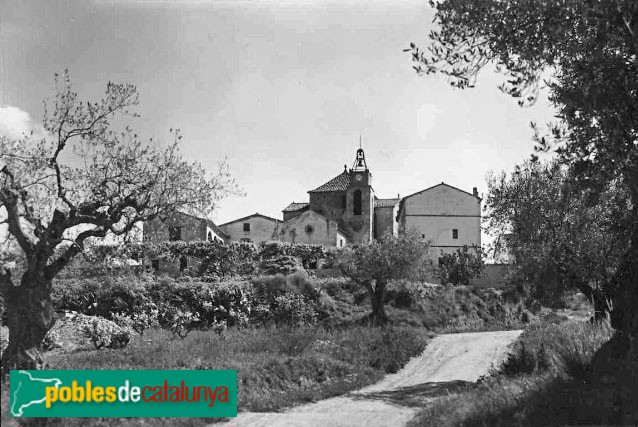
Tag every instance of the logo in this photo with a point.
(144, 393)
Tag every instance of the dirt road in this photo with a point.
(448, 362)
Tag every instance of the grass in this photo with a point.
(557, 374)
(276, 368)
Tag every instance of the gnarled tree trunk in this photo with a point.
(377, 293)
(30, 316)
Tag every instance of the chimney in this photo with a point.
(475, 191)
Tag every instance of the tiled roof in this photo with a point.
(338, 183)
(293, 207)
(386, 203)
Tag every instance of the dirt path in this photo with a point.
(448, 362)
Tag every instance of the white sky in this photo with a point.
(281, 89)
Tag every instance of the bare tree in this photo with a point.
(82, 181)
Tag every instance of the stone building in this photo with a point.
(180, 226)
(446, 216)
(347, 201)
(254, 228)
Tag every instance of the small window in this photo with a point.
(309, 229)
(423, 236)
(455, 233)
(356, 209)
(246, 226)
(340, 243)
(174, 233)
(343, 201)
(210, 236)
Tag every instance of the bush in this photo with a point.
(564, 348)
(294, 310)
(103, 332)
(283, 264)
(459, 267)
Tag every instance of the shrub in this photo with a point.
(294, 310)
(459, 267)
(557, 348)
(283, 264)
(103, 332)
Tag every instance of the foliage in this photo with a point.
(461, 266)
(454, 309)
(282, 264)
(375, 264)
(587, 54)
(103, 332)
(558, 348)
(309, 254)
(560, 236)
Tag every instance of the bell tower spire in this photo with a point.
(360, 159)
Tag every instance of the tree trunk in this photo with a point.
(624, 316)
(599, 299)
(377, 297)
(30, 316)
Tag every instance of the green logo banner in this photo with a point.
(53, 393)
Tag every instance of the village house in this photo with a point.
(180, 226)
(254, 228)
(448, 217)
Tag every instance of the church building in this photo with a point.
(342, 211)
(345, 210)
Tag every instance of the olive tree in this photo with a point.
(83, 181)
(373, 265)
(560, 236)
(586, 54)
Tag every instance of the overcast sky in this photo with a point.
(281, 89)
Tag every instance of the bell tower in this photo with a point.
(359, 215)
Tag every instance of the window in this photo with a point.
(343, 201)
(246, 226)
(357, 203)
(174, 233)
(455, 233)
(210, 236)
(340, 243)
(309, 229)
